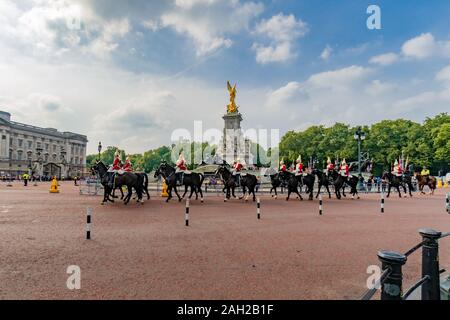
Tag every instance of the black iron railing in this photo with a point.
(391, 280)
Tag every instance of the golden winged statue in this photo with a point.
(232, 108)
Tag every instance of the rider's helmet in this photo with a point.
(281, 162)
(299, 159)
(117, 154)
(344, 163)
(396, 163)
(329, 160)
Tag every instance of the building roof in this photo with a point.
(46, 131)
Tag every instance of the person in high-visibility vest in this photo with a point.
(25, 178)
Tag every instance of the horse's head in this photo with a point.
(316, 172)
(164, 169)
(387, 176)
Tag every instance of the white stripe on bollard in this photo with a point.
(186, 216)
(88, 223)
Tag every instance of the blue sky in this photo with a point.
(130, 72)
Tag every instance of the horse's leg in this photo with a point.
(244, 189)
(299, 195)
(318, 191)
(201, 194)
(232, 191)
(185, 191)
(328, 190)
(176, 192)
(399, 192)
(389, 191)
(343, 190)
(289, 194)
(254, 195)
(128, 196)
(276, 193)
(169, 191)
(192, 192)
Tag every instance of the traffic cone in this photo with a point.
(54, 186)
(164, 193)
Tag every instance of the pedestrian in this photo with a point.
(25, 178)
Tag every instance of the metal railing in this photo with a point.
(391, 280)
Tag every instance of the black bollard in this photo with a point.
(320, 205)
(382, 202)
(186, 217)
(258, 209)
(88, 223)
(391, 288)
(430, 264)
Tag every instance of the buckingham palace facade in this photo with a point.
(43, 152)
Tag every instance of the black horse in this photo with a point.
(276, 182)
(338, 182)
(393, 181)
(307, 180)
(193, 180)
(323, 181)
(247, 181)
(128, 179)
(352, 182)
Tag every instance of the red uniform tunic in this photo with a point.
(346, 169)
(127, 167)
(181, 164)
(283, 168)
(116, 164)
(330, 167)
(238, 167)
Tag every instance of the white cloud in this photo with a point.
(377, 88)
(281, 30)
(53, 28)
(341, 78)
(385, 59)
(425, 46)
(209, 23)
(326, 53)
(444, 74)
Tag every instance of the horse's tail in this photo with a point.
(145, 180)
(202, 178)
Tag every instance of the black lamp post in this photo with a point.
(359, 136)
(99, 150)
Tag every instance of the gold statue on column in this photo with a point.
(232, 107)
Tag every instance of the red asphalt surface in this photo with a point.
(147, 252)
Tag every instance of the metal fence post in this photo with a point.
(430, 264)
(391, 288)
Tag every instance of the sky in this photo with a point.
(128, 73)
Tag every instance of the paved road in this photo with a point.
(146, 252)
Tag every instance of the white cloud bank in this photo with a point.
(281, 30)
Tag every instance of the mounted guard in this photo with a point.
(344, 169)
(128, 167)
(116, 168)
(299, 167)
(181, 169)
(397, 170)
(237, 168)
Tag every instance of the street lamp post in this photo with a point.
(359, 136)
(99, 150)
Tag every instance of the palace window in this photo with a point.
(30, 144)
(19, 155)
(20, 142)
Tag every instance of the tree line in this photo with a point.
(424, 144)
